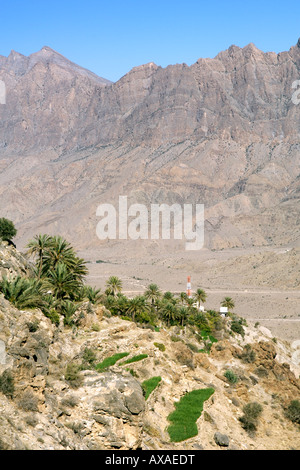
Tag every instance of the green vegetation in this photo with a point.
(249, 420)
(230, 376)
(114, 286)
(160, 346)
(293, 411)
(137, 358)
(237, 327)
(7, 230)
(247, 355)
(149, 385)
(57, 287)
(72, 375)
(7, 386)
(22, 292)
(110, 361)
(228, 302)
(187, 412)
(89, 358)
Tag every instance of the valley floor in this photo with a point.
(263, 282)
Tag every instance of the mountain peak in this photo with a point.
(47, 48)
(48, 55)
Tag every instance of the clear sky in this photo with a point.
(110, 37)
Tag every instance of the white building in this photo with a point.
(223, 311)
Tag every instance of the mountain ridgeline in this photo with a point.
(223, 132)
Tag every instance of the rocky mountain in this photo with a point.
(53, 397)
(223, 132)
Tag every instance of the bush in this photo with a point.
(160, 346)
(33, 326)
(230, 376)
(28, 401)
(250, 418)
(175, 338)
(247, 355)
(72, 375)
(7, 230)
(71, 401)
(192, 347)
(88, 357)
(293, 411)
(7, 384)
(237, 327)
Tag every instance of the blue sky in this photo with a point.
(110, 37)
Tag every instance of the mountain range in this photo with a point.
(223, 132)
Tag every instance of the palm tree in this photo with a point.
(169, 312)
(114, 285)
(152, 293)
(59, 251)
(200, 296)
(228, 302)
(137, 305)
(37, 247)
(91, 293)
(168, 296)
(183, 297)
(182, 314)
(78, 269)
(117, 305)
(68, 309)
(61, 281)
(23, 292)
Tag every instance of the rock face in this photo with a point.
(12, 263)
(51, 398)
(223, 132)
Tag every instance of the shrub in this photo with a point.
(53, 315)
(7, 384)
(237, 327)
(192, 347)
(293, 411)
(68, 309)
(230, 376)
(160, 346)
(28, 401)
(250, 418)
(188, 410)
(88, 357)
(72, 375)
(33, 326)
(247, 355)
(71, 401)
(175, 338)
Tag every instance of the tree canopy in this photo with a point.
(7, 230)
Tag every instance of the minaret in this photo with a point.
(189, 287)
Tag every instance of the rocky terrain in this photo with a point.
(223, 132)
(60, 400)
